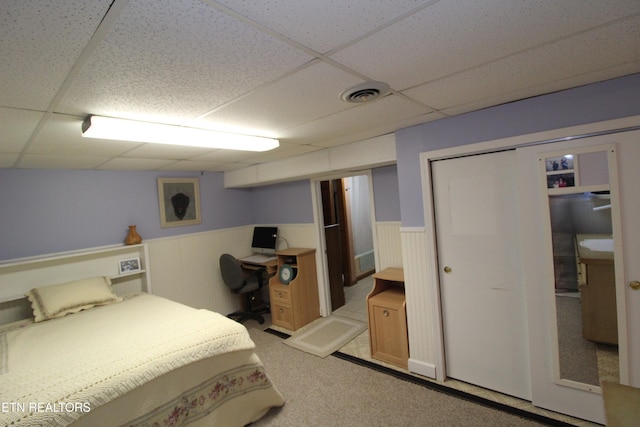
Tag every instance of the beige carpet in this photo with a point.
(329, 392)
(325, 335)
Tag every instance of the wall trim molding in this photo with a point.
(422, 368)
(413, 229)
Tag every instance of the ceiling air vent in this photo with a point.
(365, 92)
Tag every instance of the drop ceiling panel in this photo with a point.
(451, 37)
(304, 96)
(545, 88)
(17, 127)
(62, 134)
(365, 117)
(8, 160)
(580, 54)
(120, 163)
(270, 67)
(235, 156)
(285, 151)
(323, 25)
(167, 152)
(41, 161)
(175, 63)
(40, 41)
(195, 166)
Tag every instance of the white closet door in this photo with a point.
(481, 285)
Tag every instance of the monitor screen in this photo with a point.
(264, 240)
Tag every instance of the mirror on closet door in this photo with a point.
(584, 289)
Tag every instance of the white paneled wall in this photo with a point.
(388, 244)
(185, 268)
(421, 302)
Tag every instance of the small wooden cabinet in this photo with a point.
(388, 318)
(597, 292)
(295, 304)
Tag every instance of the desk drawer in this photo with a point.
(281, 315)
(278, 294)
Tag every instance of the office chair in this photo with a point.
(245, 283)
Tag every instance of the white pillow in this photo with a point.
(49, 302)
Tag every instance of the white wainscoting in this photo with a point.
(422, 303)
(185, 268)
(388, 245)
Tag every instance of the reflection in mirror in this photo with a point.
(585, 287)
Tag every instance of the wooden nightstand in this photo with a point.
(295, 303)
(387, 318)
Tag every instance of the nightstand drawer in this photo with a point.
(281, 315)
(280, 295)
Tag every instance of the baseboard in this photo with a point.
(425, 369)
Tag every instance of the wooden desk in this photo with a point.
(271, 266)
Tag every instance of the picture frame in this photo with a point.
(129, 265)
(179, 201)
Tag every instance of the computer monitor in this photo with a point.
(264, 240)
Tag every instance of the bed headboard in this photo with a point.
(127, 266)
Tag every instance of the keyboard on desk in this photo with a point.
(258, 259)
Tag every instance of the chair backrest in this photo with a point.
(231, 271)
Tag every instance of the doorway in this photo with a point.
(345, 214)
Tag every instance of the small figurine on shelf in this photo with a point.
(133, 238)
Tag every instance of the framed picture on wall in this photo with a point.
(179, 200)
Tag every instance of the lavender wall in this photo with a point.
(287, 203)
(597, 102)
(45, 211)
(385, 193)
(290, 203)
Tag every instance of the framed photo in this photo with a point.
(561, 180)
(128, 265)
(559, 164)
(179, 200)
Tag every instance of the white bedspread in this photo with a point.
(90, 358)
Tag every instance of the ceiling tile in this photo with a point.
(168, 152)
(120, 163)
(584, 53)
(364, 117)
(550, 87)
(169, 64)
(40, 161)
(322, 25)
(17, 127)
(277, 67)
(62, 134)
(195, 166)
(308, 94)
(235, 156)
(43, 40)
(8, 160)
(453, 36)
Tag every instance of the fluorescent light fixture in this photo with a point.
(131, 130)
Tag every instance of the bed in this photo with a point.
(89, 357)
